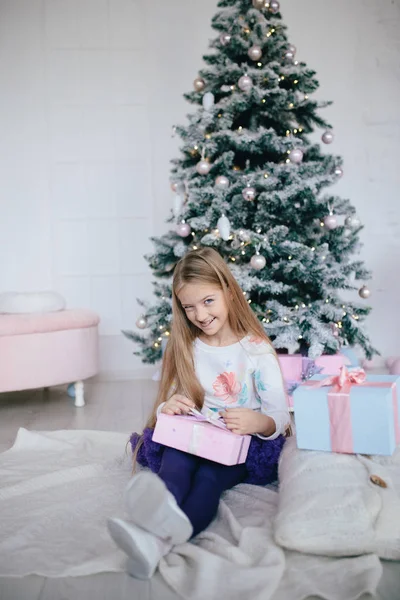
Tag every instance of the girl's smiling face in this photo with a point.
(205, 306)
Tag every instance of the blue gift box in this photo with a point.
(373, 411)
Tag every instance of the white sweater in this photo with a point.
(243, 375)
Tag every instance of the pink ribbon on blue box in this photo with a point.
(339, 405)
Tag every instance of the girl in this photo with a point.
(218, 358)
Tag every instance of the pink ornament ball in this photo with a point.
(183, 229)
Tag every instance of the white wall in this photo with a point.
(90, 90)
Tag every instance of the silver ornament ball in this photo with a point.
(364, 292)
(338, 172)
(141, 323)
(249, 193)
(296, 155)
(330, 222)
(174, 186)
(327, 137)
(289, 56)
(259, 4)
(222, 182)
(292, 49)
(245, 83)
(225, 39)
(183, 229)
(199, 84)
(274, 6)
(258, 262)
(203, 167)
(255, 53)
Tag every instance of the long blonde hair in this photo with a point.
(204, 266)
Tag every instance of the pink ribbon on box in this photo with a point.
(340, 408)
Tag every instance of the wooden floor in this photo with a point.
(110, 406)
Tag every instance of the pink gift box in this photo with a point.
(292, 367)
(202, 439)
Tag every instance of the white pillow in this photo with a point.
(12, 303)
(329, 506)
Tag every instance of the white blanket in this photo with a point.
(58, 488)
(329, 505)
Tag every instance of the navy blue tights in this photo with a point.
(198, 484)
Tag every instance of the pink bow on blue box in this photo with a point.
(350, 413)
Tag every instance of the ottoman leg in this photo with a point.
(79, 394)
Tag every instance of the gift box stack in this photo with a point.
(350, 413)
(297, 369)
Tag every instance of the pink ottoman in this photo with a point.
(41, 350)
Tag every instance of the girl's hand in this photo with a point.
(177, 405)
(245, 421)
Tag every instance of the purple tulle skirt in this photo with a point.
(261, 462)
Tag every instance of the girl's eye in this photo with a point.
(209, 300)
(188, 308)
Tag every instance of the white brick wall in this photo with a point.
(89, 92)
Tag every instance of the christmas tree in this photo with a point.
(250, 184)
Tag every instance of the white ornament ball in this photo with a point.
(208, 100)
(292, 49)
(258, 262)
(203, 167)
(224, 227)
(364, 292)
(330, 222)
(199, 84)
(141, 323)
(327, 137)
(338, 172)
(177, 205)
(225, 39)
(274, 6)
(222, 182)
(255, 53)
(296, 155)
(183, 229)
(245, 83)
(174, 186)
(249, 194)
(260, 4)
